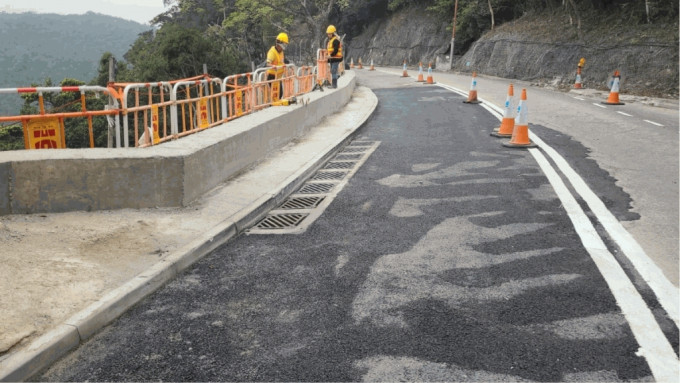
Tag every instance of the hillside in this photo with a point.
(37, 46)
(542, 47)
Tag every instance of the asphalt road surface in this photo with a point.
(435, 254)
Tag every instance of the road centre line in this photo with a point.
(624, 113)
(601, 106)
(653, 123)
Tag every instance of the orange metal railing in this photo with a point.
(153, 113)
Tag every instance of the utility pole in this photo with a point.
(453, 35)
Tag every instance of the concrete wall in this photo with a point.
(175, 173)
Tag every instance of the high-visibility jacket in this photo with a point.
(338, 54)
(274, 58)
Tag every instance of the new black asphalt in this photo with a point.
(446, 257)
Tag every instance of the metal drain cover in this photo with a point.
(355, 149)
(316, 188)
(301, 203)
(340, 165)
(349, 156)
(281, 221)
(329, 175)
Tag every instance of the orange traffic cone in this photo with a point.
(405, 72)
(472, 96)
(520, 134)
(577, 83)
(429, 74)
(372, 67)
(351, 63)
(613, 98)
(420, 73)
(508, 122)
(361, 66)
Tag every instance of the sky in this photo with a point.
(141, 11)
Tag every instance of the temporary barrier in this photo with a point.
(430, 80)
(149, 114)
(163, 111)
(508, 122)
(520, 134)
(198, 102)
(323, 68)
(613, 98)
(472, 96)
(47, 130)
(420, 73)
(405, 74)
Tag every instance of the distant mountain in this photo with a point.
(36, 46)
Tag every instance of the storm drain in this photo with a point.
(317, 193)
(301, 203)
(329, 175)
(281, 221)
(340, 165)
(316, 188)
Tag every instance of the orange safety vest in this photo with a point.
(330, 47)
(275, 58)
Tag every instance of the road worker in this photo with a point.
(334, 53)
(275, 58)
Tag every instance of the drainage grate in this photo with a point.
(301, 202)
(281, 221)
(340, 165)
(355, 149)
(316, 188)
(350, 156)
(329, 176)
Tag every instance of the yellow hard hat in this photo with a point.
(331, 29)
(282, 37)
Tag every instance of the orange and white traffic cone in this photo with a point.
(472, 96)
(405, 74)
(429, 74)
(613, 98)
(420, 73)
(372, 67)
(577, 83)
(360, 66)
(520, 134)
(508, 122)
(351, 63)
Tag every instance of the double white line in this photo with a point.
(654, 345)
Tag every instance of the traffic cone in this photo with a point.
(472, 96)
(360, 66)
(520, 134)
(429, 74)
(405, 72)
(372, 67)
(613, 98)
(577, 84)
(508, 122)
(351, 63)
(420, 73)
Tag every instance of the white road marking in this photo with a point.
(601, 106)
(654, 346)
(653, 123)
(625, 114)
(579, 98)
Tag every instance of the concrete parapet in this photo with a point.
(171, 174)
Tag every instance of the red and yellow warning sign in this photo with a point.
(154, 123)
(45, 133)
(203, 121)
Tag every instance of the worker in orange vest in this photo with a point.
(334, 53)
(276, 59)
